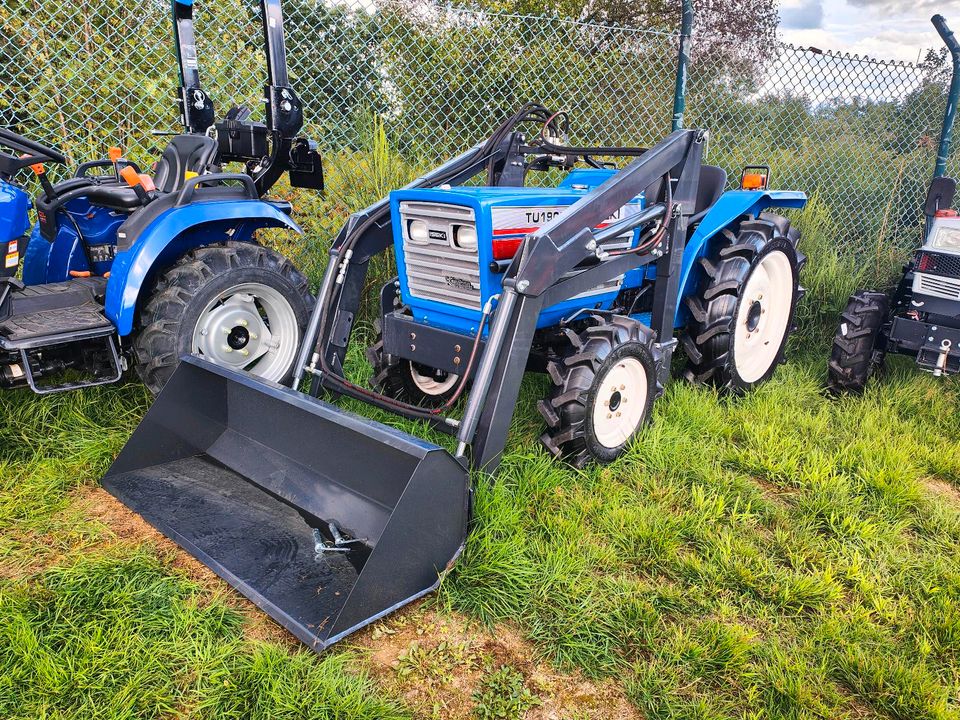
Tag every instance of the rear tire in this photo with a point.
(603, 391)
(743, 314)
(254, 295)
(857, 351)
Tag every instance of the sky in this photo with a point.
(894, 29)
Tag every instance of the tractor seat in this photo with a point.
(713, 181)
(710, 187)
(185, 153)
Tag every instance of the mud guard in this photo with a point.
(324, 519)
(175, 232)
(732, 205)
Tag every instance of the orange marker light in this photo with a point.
(38, 169)
(114, 153)
(753, 181)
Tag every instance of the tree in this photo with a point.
(733, 35)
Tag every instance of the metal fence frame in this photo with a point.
(390, 92)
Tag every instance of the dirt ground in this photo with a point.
(436, 661)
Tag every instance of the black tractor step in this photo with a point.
(54, 327)
(54, 296)
(42, 315)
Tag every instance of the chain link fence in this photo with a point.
(392, 87)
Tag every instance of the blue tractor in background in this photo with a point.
(328, 520)
(124, 267)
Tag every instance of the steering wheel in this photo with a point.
(33, 152)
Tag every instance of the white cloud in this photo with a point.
(885, 29)
(804, 15)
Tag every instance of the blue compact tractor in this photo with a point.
(125, 267)
(329, 520)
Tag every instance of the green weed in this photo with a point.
(503, 695)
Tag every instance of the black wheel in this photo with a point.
(410, 381)
(857, 347)
(742, 315)
(239, 305)
(602, 391)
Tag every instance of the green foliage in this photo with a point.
(503, 695)
(106, 636)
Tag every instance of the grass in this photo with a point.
(781, 555)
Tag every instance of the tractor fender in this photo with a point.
(731, 206)
(175, 232)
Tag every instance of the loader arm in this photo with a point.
(196, 107)
(536, 279)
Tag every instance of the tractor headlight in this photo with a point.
(946, 238)
(418, 231)
(465, 237)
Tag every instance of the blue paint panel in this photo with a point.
(483, 200)
(14, 212)
(36, 258)
(48, 262)
(172, 234)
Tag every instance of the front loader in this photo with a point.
(328, 520)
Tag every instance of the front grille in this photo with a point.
(939, 264)
(435, 270)
(936, 286)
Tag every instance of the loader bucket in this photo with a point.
(324, 519)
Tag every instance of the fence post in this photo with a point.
(680, 91)
(946, 133)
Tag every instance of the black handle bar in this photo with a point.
(189, 187)
(18, 142)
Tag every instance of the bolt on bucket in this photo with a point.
(324, 519)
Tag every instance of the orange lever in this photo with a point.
(114, 153)
(131, 176)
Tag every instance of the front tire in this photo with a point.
(603, 391)
(410, 381)
(743, 314)
(239, 305)
(857, 348)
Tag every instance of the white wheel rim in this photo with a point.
(249, 327)
(621, 398)
(763, 316)
(431, 386)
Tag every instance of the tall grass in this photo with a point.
(779, 555)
